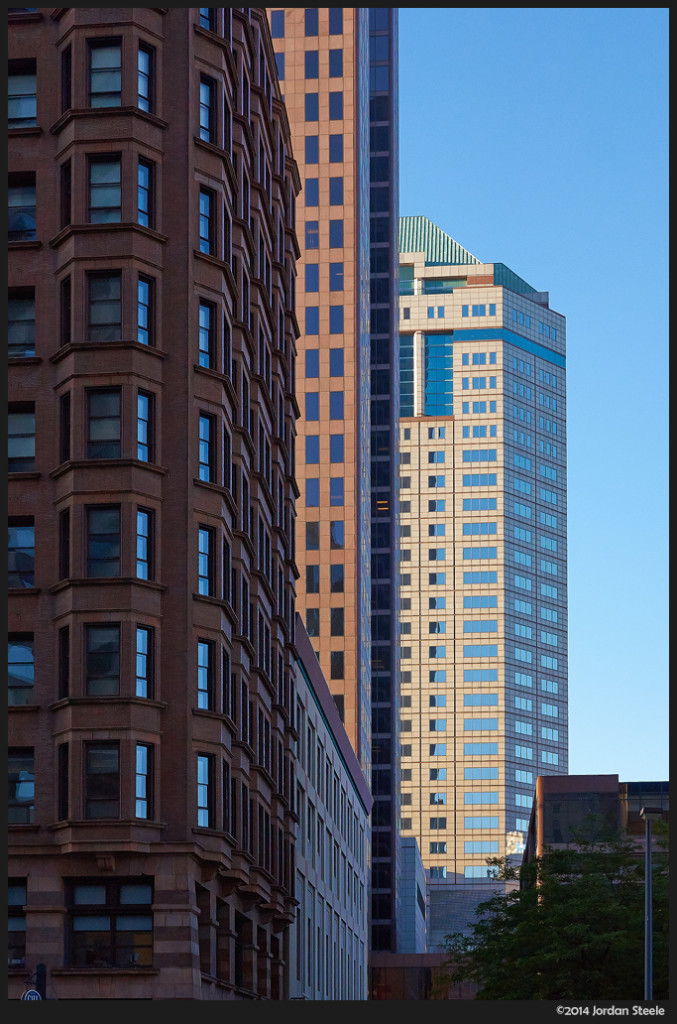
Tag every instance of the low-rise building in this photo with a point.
(328, 942)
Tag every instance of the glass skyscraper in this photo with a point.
(483, 582)
(384, 497)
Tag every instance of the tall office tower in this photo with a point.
(151, 503)
(484, 581)
(321, 54)
(338, 72)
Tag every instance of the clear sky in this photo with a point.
(538, 138)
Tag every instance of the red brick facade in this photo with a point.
(152, 572)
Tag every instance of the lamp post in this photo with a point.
(649, 814)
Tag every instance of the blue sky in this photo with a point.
(537, 137)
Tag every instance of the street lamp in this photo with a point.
(649, 814)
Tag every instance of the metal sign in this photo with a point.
(31, 994)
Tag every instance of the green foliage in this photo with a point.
(573, 930)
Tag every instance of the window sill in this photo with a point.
(14, 16)
(29, 130)
(23, 244)
(24, 474)
(91, 346)
(89, 112)
(17, 591)
(86, 581)
(116, 227)
(72, 464)
(24, 360)
(112, 699)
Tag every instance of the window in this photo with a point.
(336, 491)
(16, 923)
(311, 63)
(205, 790)
(312, 325)
(206, 452)
(144, 426)
(313, 492)
(20, 668)
(21, 438)
(336, 277)
(22, 95)
(105, 307)
(20, 552)
(144, 311)
(336, 149)
(104, 423)
(110, 923)
(105, 74)
(206, 561)
(336, 661)
(105, 190)
(312, 106)
(144, 662)
(21, 208)
(312, 234)
(337, 535)
(311, 21)
(103, 540)
(63, 661)
(102, 780)
(337, 626)
(277, 24)
(312, 277)
(312, 449)
(144, 547)
(336, 320)
(205, 674)
(102, 660)
(335, 100)
(336, 405)
(208, 109)
(145, 187)
(336, 579)
(336, 448)
(207, 221)
(206, 334)
(312, 579)
(336, 191)
(336, 63)
(208, 18)
(144, 78)
(143, 781)
(313, 536)
(21, 786)
(21, 322)
(335, 234)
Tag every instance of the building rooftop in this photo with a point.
(418, 234)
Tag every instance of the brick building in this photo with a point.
(151, 503)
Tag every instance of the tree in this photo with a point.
(573, 930)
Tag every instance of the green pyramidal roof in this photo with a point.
(418, 234)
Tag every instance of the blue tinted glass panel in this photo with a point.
(336, 319)
(336, 234)
(335, 148)
(312, 362)
(336, 362)
(277, 24)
